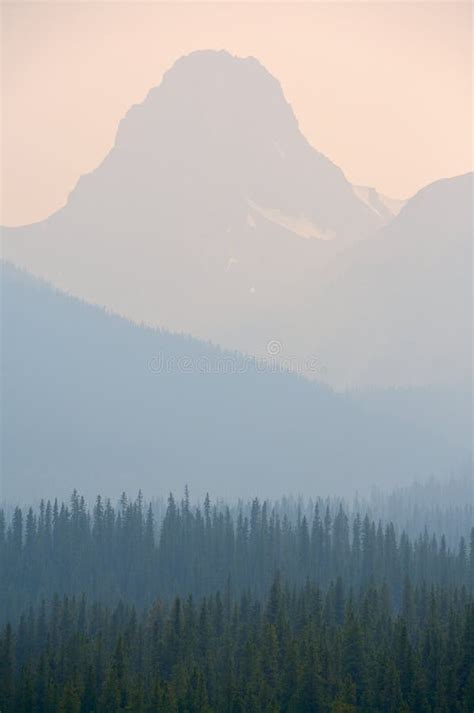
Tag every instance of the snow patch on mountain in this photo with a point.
(299, 225)
(386, 208)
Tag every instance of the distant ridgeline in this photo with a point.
(220, 612)
(91, 400)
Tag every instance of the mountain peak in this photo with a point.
(214, 94)
(218, 130)
(205, 60)
(220, 69)
(210, 187)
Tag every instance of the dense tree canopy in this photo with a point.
(296, 650)
(113, 553)
(230, 609)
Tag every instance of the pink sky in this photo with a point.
(383, 89)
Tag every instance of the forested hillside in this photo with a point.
(298, 651)
(118, 553)
(90, 398)
(218, 610)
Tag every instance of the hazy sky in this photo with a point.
(383, 89)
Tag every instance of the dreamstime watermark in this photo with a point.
(273, 361)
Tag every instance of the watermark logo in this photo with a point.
(274, 348)
(274, 361)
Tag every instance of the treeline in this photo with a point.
(112, 553)
(445, 506)
(296, 651)
(438, 506)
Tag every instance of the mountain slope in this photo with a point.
(401, 303)
(90, 399)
